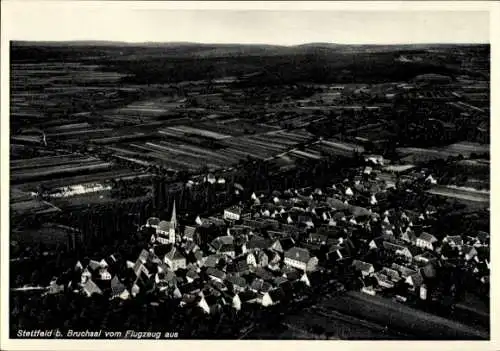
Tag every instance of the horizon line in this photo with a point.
(243, 43)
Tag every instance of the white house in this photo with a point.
(232, 213)
(426, 241)
(301, 259)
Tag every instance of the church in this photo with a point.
(165, 230)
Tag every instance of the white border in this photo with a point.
(8, 26)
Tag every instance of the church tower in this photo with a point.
(173, 225)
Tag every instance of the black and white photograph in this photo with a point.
(253, 172)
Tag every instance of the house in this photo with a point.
(203, 304)
(398, 250)
(55, 287)
(212, 260)
(415, 280)
(93, 266)
(454, 241)
(175, 259)
(192, 275)
(258, 259)
(483, 237)
(166, 279)
(189, 233)
(264, 273)
(316, 238)
(118, 289)
(368, 291)
(392, 274)
(256, 243)
(216, 274)
(90, 288)
(409, 236)
(259, 285)
(239, 266)
(190, 247)
(153, 222)
(217, 287)
(274, 260)
(232, 213)
(339, 252)
(249, 297)
(301, 259)
(423, 292)
(233, 299)
(469, 252)
(272, 297)
(104, 274)
(403, 270)
(383, 281)
(426, 241)
(365, 268)
(223, 245)
(425, 257)
(283, 244)
(237, 283)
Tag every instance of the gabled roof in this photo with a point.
(258, 244)
(391, 273)
(264, 273)
(405, 271)
(279, 280)
(362, 266)
(247, 295)
(236, 280)
(212, 260)
(285, 243)
(483, 253)
(189, 232)
(293, 274)
(174, 255)
(257, 284)
(94, 265)
(91, 288)
(192, 274)
(298, 254)
(221, 241)
(393, 247)
(234, 209)
(484, 237)
(239, 265)
(190, 246)
(427, 237)
(153, 221)
(116, 286)
(427, 255)
(318, 237)
(454, 239)
(216, 273)
(417, 279)
(468, 249)
(143, 256)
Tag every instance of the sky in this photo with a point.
(282, 27)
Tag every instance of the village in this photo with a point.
(269, 249)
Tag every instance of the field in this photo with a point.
(466, 194)
(400, 317)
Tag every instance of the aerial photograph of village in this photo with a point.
(185, 190)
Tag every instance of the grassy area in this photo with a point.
(400, 317)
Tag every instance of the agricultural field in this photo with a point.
(401, 317)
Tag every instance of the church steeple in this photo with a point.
(173, 220)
